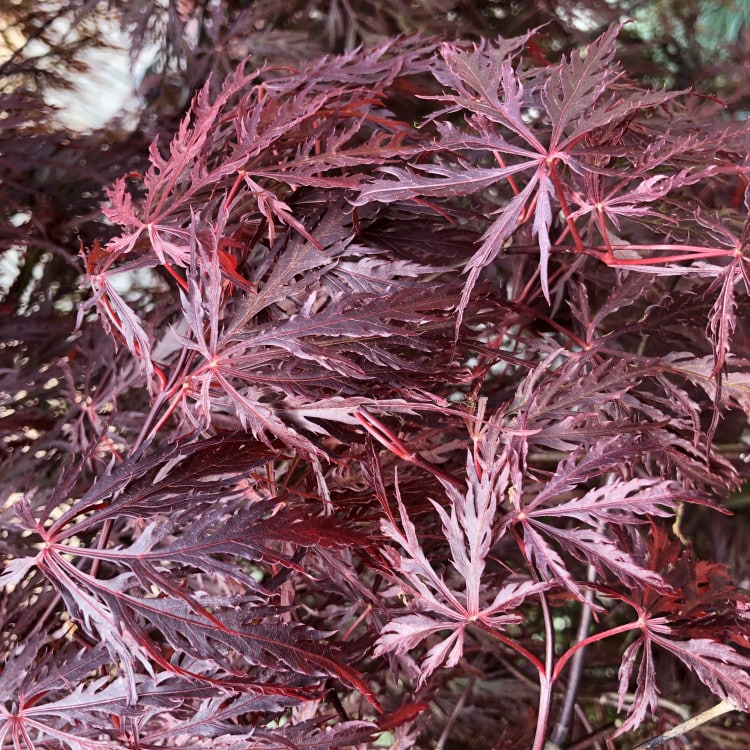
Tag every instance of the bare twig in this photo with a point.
(688, 726)
(592, 738)
(454, 715)
(562, 728)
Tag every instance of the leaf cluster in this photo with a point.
(398, 378)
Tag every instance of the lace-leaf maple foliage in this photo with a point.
(438, 345)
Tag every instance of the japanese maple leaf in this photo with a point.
(553, 530)
(578, 96)
(691, 620)
(469, 529)
(50, 698)
(157, 590)
(723, 317)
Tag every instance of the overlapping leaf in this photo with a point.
(578, 96)
(689, 623)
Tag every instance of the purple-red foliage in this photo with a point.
(426, 347)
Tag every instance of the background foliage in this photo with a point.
(382, 382)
